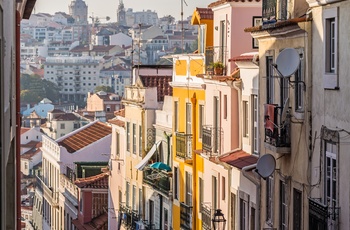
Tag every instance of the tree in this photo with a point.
(34, 89)
(103, 88)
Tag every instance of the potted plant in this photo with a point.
(218, 68)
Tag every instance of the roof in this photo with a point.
(30, 144)
(56, 111)
(239, 159)
(32, 152)
(161, 82)
(205, 13)
(99, 181)
(99, 48)
(117, 122)
(65, 117)
(120, 113)
(24, 130)
(247, 58)
(86, 136)
(221, 2)
(99, 222)
(277, 25)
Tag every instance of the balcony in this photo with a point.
(206, 216)
(185, 216)
(277, 132)
(48, 193)
(59, 79)
(212, 140)
(214, 54)
(269, 12)
(129, 217)
(77, 79)
(184, 146)
(76, 72)
(159, 180)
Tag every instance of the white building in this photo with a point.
(75, 75)
(90, 143)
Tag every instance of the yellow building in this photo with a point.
(188, 103)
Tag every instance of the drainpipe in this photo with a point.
(18, 123)
(257, 184)
(237, 86)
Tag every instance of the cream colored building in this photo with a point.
(284, 194)
(329, 169)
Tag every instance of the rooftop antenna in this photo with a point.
(182, 24)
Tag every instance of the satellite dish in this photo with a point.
(284, 110)
(266, 165)
(287, 62)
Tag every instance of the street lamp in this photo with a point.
(219, 220)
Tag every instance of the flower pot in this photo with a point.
(218, 71)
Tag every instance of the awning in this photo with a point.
(140, 166)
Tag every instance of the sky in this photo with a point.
(103, 8)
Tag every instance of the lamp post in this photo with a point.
(219, 220)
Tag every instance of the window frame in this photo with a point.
(270, 86)
(330, 79)
(128, 136)
(283, 206)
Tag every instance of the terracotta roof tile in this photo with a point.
(117, 122)
(220, 2)
(88, 135)
(23, 130)
(277, 25)
(32, 152)
(30, 144)
(120, 113)
(161, 82)
(205, 13)
(66, 117)
(99, 181)
(242, 58)
(239, 159)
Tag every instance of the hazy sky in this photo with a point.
(102, 8)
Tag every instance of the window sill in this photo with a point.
(299, 115)
(330, 81)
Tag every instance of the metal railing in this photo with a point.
(212, 140)
(206, 216)
(184, 145)
(185, 216)
(129, 216)
(159, 180)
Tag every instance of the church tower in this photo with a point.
(121, 14)
(79, 11)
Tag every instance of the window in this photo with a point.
(330, 17)
(331, 174)
(216, 124)
(225, 106)
(134, 138)
(223, 188)
(140, 201)
(188, 189)
(252, 218)
(176, 183)
(297, 203)
(245, 119)
(134, 197)
(188, 118)
(63, 126)
(283, 206)
(201, 193)
(243, 207)
(127, 193)
(176, 116)
(214, 182)
(222, 41)
(269, 80)
(166, 217)
(269, 198)
(140, 141)
(118, 144)
(128, 136)
(255, 124)
(201, 120)
(299, 87)
(283, 10)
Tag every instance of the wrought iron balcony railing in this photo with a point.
(206, 216)
(214, 54)
(184, 145)
(129, 217)
(158, 179)
(212, 140)
(185, 216)
(277, 131)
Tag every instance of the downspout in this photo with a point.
(258, 187)
(194, 168)
(18, 122)
(237, 86)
